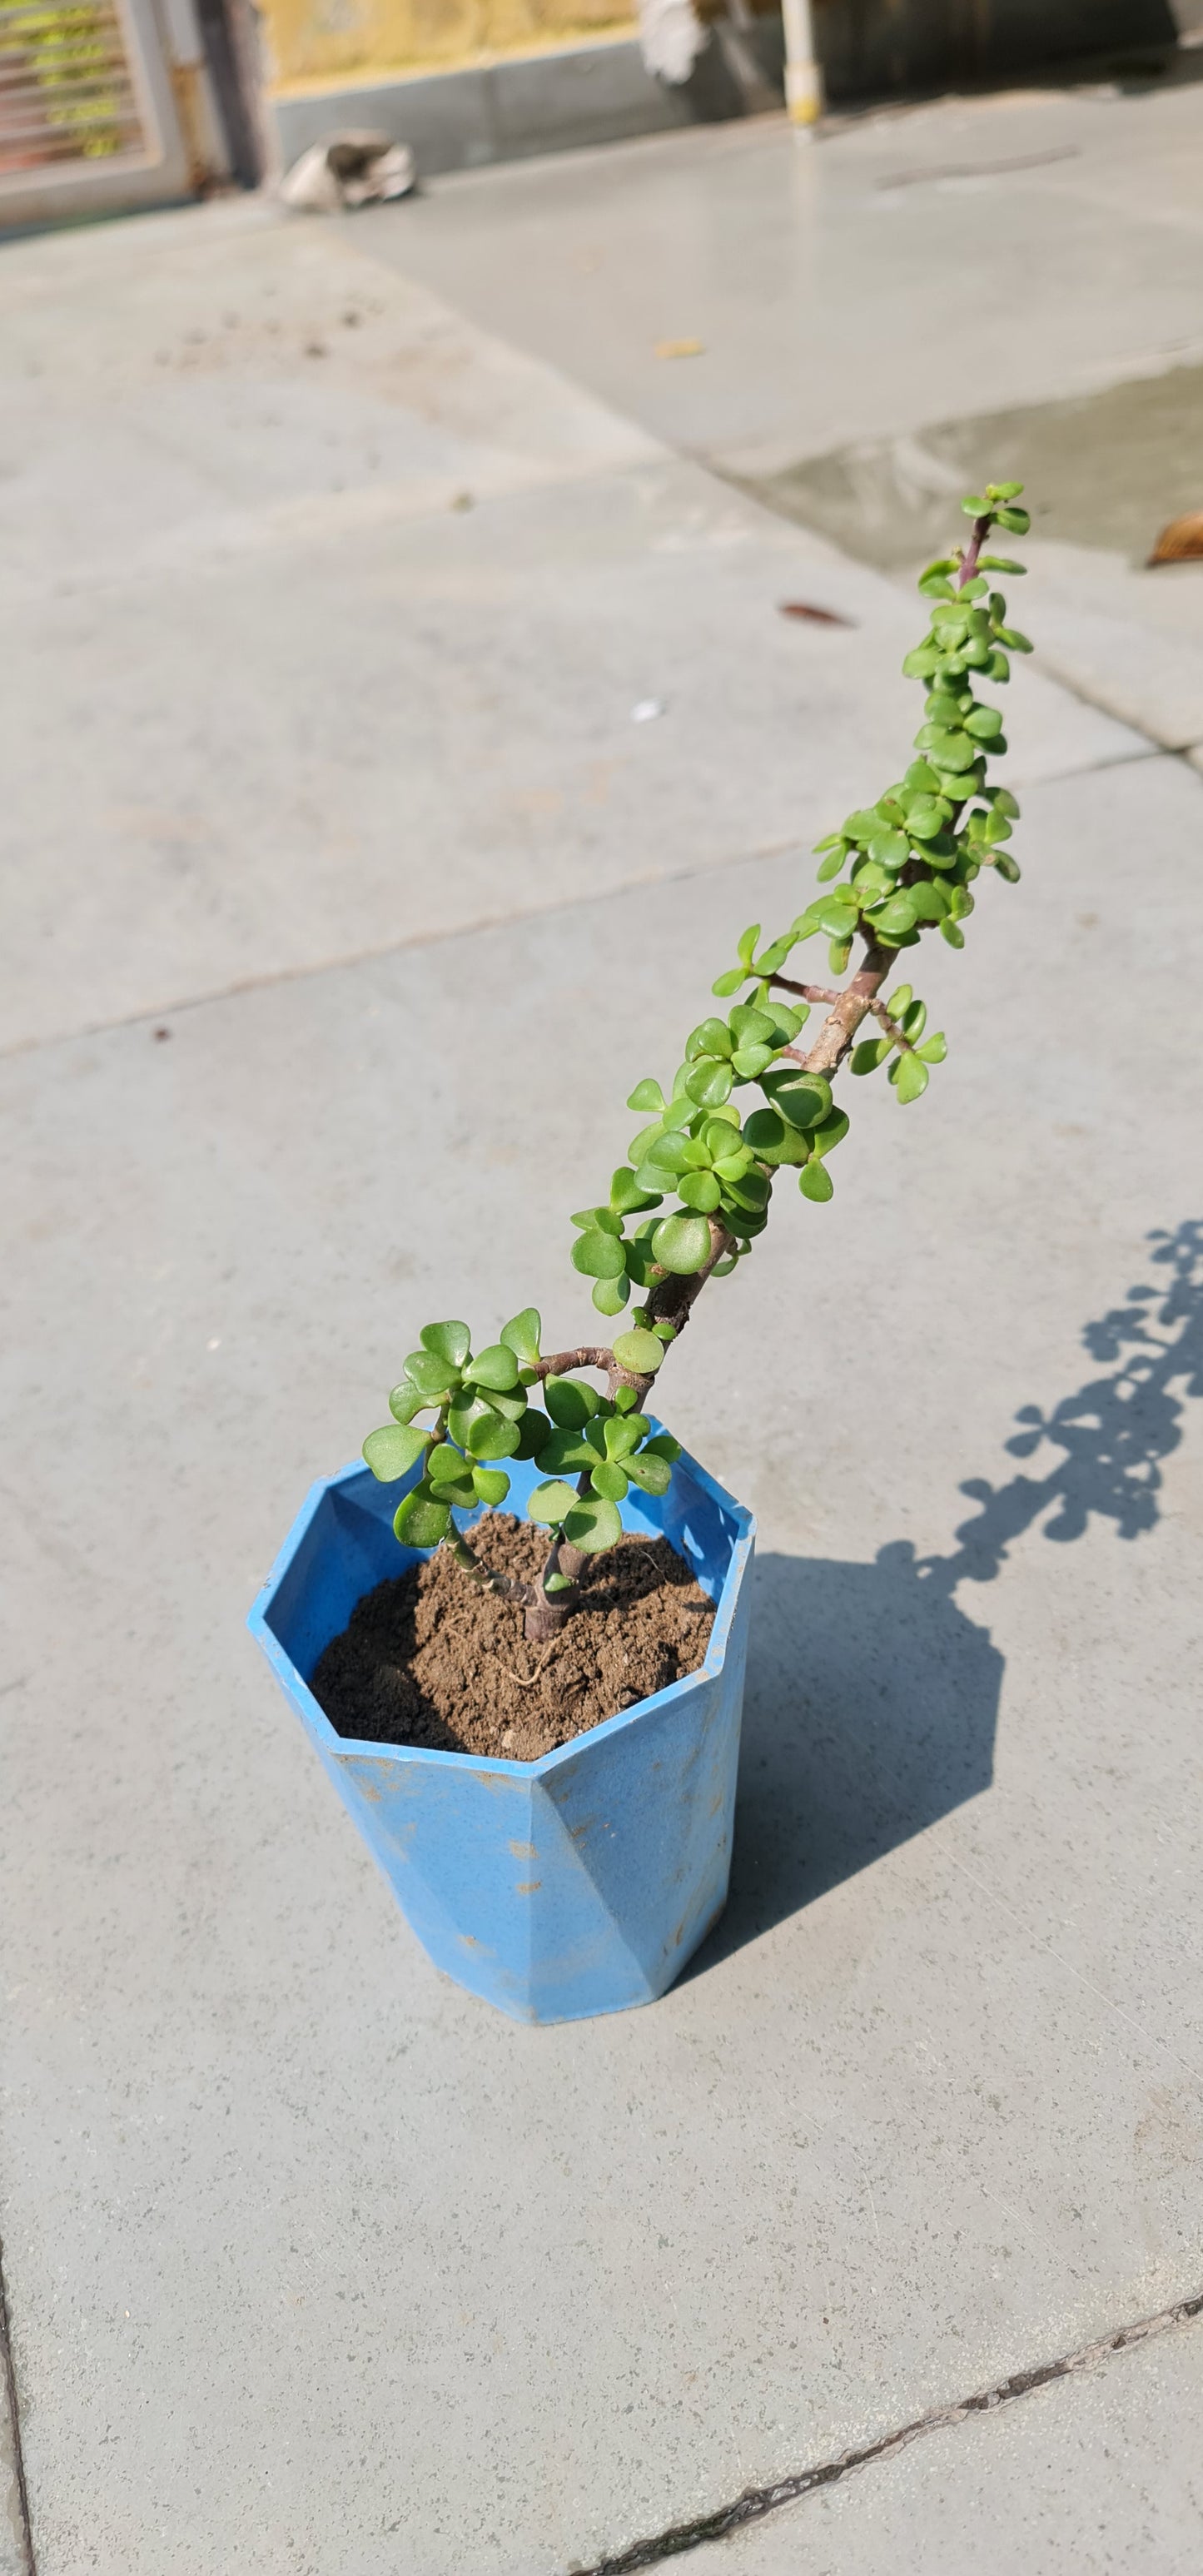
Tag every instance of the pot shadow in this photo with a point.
(872, 1698)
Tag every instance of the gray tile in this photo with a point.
(929, 2109)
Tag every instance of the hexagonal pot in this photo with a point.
(556, 1889)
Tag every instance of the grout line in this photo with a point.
(276, 975)
(8, 2397)
(273, 975)
(756, 2502)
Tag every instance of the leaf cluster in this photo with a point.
(483, 1412)
(893, 869)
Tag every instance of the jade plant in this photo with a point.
(695, 1189)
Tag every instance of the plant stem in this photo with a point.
(508, 1585)
(981, 530)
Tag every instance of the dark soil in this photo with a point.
(429, 1659)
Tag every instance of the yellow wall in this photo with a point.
(318, 39)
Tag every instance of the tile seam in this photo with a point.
(756, 2503)
(278, 975)
(8, 2398)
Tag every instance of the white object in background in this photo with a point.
(803, 81)
(347, 170)
(646, 710)
(671, 36)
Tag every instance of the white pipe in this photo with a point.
(803, 81)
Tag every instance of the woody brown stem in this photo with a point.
(854, 1003)
(548, 1611)
(981, 530)
(808, 992)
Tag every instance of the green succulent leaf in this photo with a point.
(491, 1485)
(832, 1132)
(775, 956)
(669, 1152)
(641, 1351)
(430, 1374)
(682, 1244)
(709, 1081)
(592, 1524)
(764, 1131)
(491, 1436)
(892, 920)
(567, 1453)
(420, 1522)
(512, 1406)
(626, 1197)
(447, 1341)
(646, 1095)
(392, 1451)
(803, 1099)
(662, 1445)
(610, 1480)
(408, 1399)
(496, 1368)
(534, 1431)
(458, 1490)
(522, 1334)
(551, 1504)
(711, 1037)
(571, 1401)
(598, 1255)
(815, 1182)
(730, 982)
(610, 1295)
(652, 1473)
(869, 1054)
(912, 1078)
(699, 1190)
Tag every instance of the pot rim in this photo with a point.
(503, 1766)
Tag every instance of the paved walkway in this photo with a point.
(315, 2267)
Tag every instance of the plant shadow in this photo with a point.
(872, 1697)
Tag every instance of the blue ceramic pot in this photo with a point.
(577, 1884)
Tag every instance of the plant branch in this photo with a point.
(893, 1028)
(590, 1355)
(808, 992)
(524, 1595)
(672, 1299)
(981, 530)
(853, 1005)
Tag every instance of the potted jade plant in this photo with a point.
(516, 1633)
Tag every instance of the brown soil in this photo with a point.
(429, 1659)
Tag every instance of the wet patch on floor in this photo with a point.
(1101, 469)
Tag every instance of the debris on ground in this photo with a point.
(812, 616)
(1181, 541)
(348, 170)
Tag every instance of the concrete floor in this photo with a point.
(880, 321)
(314, 2266)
